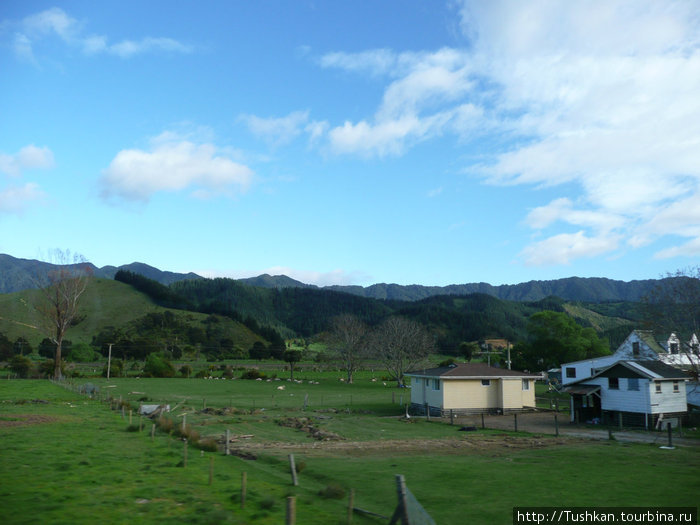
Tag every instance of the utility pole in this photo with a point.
(109, 359)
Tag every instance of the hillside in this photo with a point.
(108, 304)
(19, 274)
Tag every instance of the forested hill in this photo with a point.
(306, 312)
(19, 274)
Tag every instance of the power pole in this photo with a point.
(109, 359)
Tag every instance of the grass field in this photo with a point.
(70, 459)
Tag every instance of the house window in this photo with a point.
(657, 386)
(635, 348)
(674, 348)
(436, 384)
(570, 372)
(526, 384)
(427, 382)
(633, 383)
(485, 382)
(676, 386)
(613, 383)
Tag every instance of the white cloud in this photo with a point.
(16, 199)
(29, 157)
(688, 249)
(55, 22)
(596, 100)
(565, 247)
(173, 164)
(279, 131)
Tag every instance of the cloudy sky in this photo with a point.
(354, 142)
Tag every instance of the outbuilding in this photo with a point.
(471, 388)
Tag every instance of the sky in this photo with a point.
(402, 141)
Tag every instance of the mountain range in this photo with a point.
(20, 274)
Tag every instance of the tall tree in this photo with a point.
(348, 340)
(555, 338)
(61, 290)
(401, 345)
(673, 305)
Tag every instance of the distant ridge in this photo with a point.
(20, 274)
(17, 274)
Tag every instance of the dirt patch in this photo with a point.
(305, 424)
(17, 420)
(474, 443)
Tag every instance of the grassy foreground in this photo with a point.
(69, 459)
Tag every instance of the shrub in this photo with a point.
(207, 445)
(332, 491)
(81, 353)
(21, 365)
(253, 373)
(157, 366)
(185, 370)
(267, 503)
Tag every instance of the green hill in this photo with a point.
(106, 304)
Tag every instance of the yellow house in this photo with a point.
(471, 388)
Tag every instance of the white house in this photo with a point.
(639, 393)
(640, 345)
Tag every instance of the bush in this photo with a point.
(116, 368)
(157, 366)
(186, 371)
(207, 445)
(253, 373)
(332, 491)
(81, 353)
(21, 365)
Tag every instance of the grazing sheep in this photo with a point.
(281, 387)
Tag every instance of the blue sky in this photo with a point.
(354, 142)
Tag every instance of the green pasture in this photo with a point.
(66, 458)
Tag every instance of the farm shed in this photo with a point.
(471, 388)
(637, 392)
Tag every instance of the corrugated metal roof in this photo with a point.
(470, 371)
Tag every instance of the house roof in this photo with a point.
(583, 390)
(649, 369)
(470, 371)
(647, 336)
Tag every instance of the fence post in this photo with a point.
(556, 425)
(228, 440)
(452, 417)
(130, 415)
(427, 411)
(619, 419)
(293, 469)
(184, 454)
(291, 510)
(670, 434)
(244, 483)
(483, 424)
(515, 421)
(351, 505)
(184, 422)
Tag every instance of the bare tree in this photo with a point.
(674, 306)
(60, 292)
(348, 340)
(401, 345)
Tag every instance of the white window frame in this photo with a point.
(485, 382)
(526, 384)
